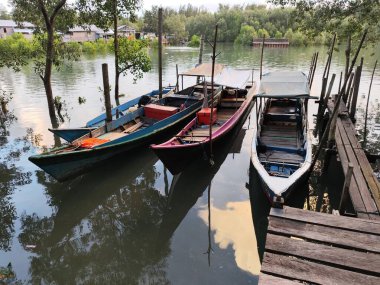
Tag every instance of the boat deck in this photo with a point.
(304, 247)
(278, 134)
(201, 133)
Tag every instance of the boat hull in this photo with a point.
(176, 159)
(63, 166)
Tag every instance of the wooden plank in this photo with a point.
(266, 279)
(319, 233)
(363, 262)
(368, 201)
(373, 184)
(307, 271)
(352, 224)
(355, 195)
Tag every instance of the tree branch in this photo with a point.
(125, 68)
(44, 13)
(56, 10)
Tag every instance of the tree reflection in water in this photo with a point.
(105, 231)
(11, 176)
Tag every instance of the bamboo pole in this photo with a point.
(366, 109)
(177, 76)
(160, 52)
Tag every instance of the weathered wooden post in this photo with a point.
(355, 93)
(106, 87)
(348, 87)
(366, 109)
(313, 72)
(212, 91)
(177, 76)
(261, 59)
(160, 52)
(200, 59)
(336, 108)
(345, 193)
(329, 91)
(347, 52)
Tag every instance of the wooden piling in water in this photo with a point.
(345, 195)
(261, 59)
(347, 53)
(336, 108)
(355, 93)
(366, 109)
(160, 53)
(106, 87)
(348, 87)
(313, 71)
(200, 58)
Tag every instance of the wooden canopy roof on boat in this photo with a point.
(204, 69)
(284, 84)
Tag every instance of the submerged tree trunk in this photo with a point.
(116, 47)
(48, 70)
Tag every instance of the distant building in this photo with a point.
(271, 42)
(9, 27)
(87, 34)
(126, 31)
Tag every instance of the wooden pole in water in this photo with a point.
(347, 91)
(366, 109)
(315, 66)
(311, 68)
(355, 94)
(200, 59)
(177, 76)
(347, 52)
(261, 60)
(160, 52)
(346, 187)
(340, 81)
(212, 91)
(106, 87)
(329, 90)
(336, 107)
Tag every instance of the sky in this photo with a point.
(211, 5)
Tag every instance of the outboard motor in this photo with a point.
(144, 100)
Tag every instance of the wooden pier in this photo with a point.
(277, 43)
(304, 247)
(364, 188)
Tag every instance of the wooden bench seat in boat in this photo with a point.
(231, 102)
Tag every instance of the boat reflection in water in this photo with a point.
(229, 227)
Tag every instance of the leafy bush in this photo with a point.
(195, 41)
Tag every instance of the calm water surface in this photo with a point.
(130, 221)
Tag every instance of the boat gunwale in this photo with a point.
(224, 128)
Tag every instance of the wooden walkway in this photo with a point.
(304, 247)
(364, 188)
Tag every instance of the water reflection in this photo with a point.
(11, 177)
(108, 227)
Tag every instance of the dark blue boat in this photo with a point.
(140, 127)
(71, 134)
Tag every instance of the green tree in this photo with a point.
(175, 26)
(47, 16)
(134, 58)
(195, 41)
(247, 33)
(263, 32)
(106, 13)
(321, 15)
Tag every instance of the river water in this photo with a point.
(130, 221)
